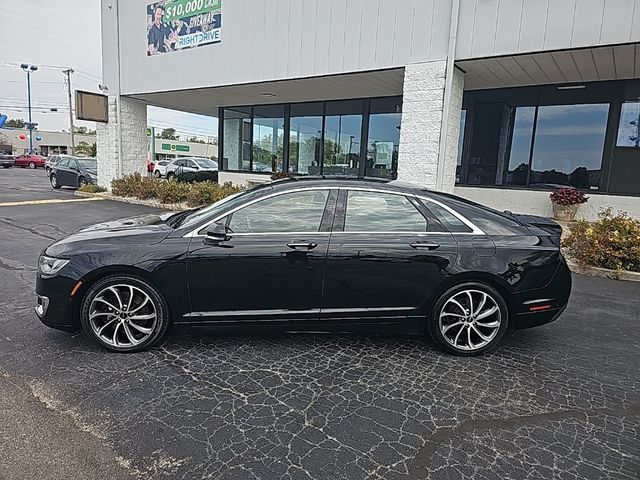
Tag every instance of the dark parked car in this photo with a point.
(7, 161)
(73, 172)
(31, 161)
(310, 254)
(195, 169)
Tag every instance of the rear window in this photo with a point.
(448, 219)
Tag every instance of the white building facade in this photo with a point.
(499, 101)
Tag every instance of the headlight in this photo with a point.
(50, 266)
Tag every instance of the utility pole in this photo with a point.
(68, 73)
(29, 69)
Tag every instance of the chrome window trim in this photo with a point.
(194, 233)
(475, 230)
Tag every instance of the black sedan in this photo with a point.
(73, 172)
(314, 254)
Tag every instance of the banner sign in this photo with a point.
(174, 25)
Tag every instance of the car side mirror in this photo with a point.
(217, 232)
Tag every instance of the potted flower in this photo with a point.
(565, 203)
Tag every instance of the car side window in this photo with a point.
(190, 164)
(73, 165)
(63, 163)
(448, 219)
(299, 212)
(179, 163)
(382, 212)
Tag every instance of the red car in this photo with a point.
(31, 161)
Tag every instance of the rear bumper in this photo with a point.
(543, 305)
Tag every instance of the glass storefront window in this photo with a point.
(342, 142)
(629, 127)
(383, 138)
(518, 170)
(463, 123)
(569, 143)
(268, 138)
(305, 138)
(236, 153)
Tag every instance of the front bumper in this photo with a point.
(55, 306)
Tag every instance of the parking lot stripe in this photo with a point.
(48, 202)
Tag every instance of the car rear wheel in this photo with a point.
(124, 313)
(82, 182)
(468, 319)
(53, 178)
(32, 165)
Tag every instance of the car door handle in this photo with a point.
(302, 244)
(427, 245)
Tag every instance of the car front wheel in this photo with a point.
(157, 174)
(82, 182)
(171, 176)
(124, 313)
(468, 319)
(53, 178)
(32, 165)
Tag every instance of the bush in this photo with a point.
(568, 196)
(612, 242)
(92, 188)
(205, 193)
(194, 194)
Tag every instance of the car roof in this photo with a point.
(346, 182)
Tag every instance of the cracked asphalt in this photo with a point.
(561, 401)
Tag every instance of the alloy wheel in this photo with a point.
(54, 181)
(470, 319)
(32, 165)
(82, 182)
(122, 316)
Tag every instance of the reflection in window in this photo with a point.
(268, 138)
(463, 122)
(568, 145)
(520, 148)
(342, 140)
(299, 212)
(236, 153)
(384, 137)
(629, 128)
(305, 139)
(382, 212)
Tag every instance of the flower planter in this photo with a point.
(564, 213)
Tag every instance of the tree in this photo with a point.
(83, 148)
(169, 134)
(195, 140)
(15, 123)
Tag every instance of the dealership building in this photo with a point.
(498, 101)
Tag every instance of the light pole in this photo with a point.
(29, 69)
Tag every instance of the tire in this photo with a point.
(82, 182)
(157, 174)
(472, 331)
(112, 328)
(171, 176)
(53, 179)
(6, 166)
(32, 165)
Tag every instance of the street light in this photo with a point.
(29, 69)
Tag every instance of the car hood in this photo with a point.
(141, 230)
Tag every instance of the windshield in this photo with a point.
(87, 163)
(206, 163)
(214, 209)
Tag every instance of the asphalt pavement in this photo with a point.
(560, 401)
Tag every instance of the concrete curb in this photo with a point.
(604, 272)
(134, 201)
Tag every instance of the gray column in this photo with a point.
(134, 141)
(422, 124)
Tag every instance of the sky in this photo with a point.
(63, 33)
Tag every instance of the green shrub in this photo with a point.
(205, 193)
(612, 242)
(171, 192)
(92, 188)
(194, 194)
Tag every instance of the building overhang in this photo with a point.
(206, 101)
(614, 62)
